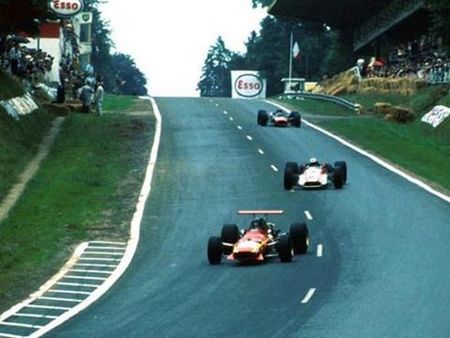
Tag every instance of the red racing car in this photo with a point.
(261, 240)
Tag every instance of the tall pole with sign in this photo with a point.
(290, 55)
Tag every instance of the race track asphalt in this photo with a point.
(385, 267)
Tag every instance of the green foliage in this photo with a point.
(10, 87)
(262, 3)
(215, 79)
(440, 16)
(129, 79)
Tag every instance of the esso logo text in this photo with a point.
(66, 8)
(248, 85)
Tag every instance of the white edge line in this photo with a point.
(308, 296)
(319, 250)
(308, 215)
(134, 235)
(374, 158)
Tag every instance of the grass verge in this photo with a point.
(86, 189)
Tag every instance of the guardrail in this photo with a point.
(323, 97)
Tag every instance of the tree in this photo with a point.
(215, 79)
(128, 78)
(440, 16)
(262, 3)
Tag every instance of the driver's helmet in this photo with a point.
(313, 161)
(259, 223)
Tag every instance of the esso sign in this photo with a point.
(248, 85)
(66, 8)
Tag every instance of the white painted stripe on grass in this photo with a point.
(261, 151)
(60, 299)
(70, 292)
(374, 158)
(81, 285)
(274, 168)
(106, 242)
(320, 250)
(62, 308)
(7, 335)
(308, 296)
(134, 233)
(28, 326)
(249, 138)
(239, 127)
(32, 315)
(308, 215)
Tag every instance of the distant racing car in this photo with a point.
(279, 118)
(261, 240)
(314, 174)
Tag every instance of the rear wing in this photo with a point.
(260, 212)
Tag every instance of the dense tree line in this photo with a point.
(118, 71)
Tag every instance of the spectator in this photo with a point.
(86, 95)
(98, 99)
(14, 58)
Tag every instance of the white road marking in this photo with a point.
(308, 215)
(6, 335)
(225, 112)
(261, 151)
(99, 259)
(83, 277)
(239, 127)
(48, 307)
(274, 168)
(249, 138)
(78, 284)
(231, 119)
(374, 158)
(97, 265)
(59, 299)
(104, 253)
(105, 248)
(91, 271)
(70, 292)
(308, 296)
(106, 242)
(320, 250)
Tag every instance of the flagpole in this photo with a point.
(290, 57)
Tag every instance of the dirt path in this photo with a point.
(30, 170)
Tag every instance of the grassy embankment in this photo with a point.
(417, 147)
(86, 189)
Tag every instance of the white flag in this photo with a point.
(295, 50)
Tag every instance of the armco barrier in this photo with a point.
(330, 98)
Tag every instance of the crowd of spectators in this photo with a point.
(423, 59)
(29, 64)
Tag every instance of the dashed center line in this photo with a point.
(239, 127)
(274, 168)
(308, 215)
(231, 119)
(250, 138)
(261, 151)
(225, 112)
(320, 250)
(308, 296)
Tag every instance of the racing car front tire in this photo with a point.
(284, 249)
(290, 178)
(215, 250)
(296, 119)
(230, 234)
(263, 118)
(300, 237)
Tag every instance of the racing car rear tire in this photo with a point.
(343, 166)
(289, 178)
(215, 250)
(263, 118)
(284, 249)
(300, 237)
(230, 234)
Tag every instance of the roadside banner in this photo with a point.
(21, 105)
(247, 84)
(436, 115)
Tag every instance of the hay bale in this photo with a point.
(394, 113)
(382, 108)
(56, 109)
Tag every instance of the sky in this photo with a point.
(169, 39)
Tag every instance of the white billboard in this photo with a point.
(247, 84)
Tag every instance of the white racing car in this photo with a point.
(279, 118)
(314, 174)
